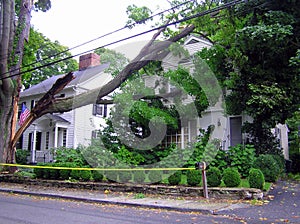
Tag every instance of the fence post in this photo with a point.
(202, 166)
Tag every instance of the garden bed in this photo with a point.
(159, 189)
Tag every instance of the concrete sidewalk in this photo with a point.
(207, 206)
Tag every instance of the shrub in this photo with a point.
(125, 176)
(139, 176)
(268, 165)
(193, 177)
(111, 175)
(65, 174)
(85, 175)
(242, 158)
(231, 177)
(54, 173)
(155, 176)
(281, 162)
(39, 171)
(21, 156)
(75, 174)
(97, 175)
(175, 178)
(256, 178)
(214, 177)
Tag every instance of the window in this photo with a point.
(32, 104)
(64, 143)
(179, 137)
(47, 140)
(100, 110)
(96, 134)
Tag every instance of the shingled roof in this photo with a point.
(80, 77)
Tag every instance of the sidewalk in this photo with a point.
(207, 206)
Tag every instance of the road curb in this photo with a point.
(106, 201)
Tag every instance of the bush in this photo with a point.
(256, 178)
(75, 174)
(111, 175)
(175, 178)
(231, 177)
(85, 175)
(214, 177)
(21, 156)
(54, 173)
(242, 158)
(39, 172)
(155, 176)
(97, 175)
(193, 177)
(268, 165)
(281, 163)
(139, 176)
(65, 174)
(125, 176)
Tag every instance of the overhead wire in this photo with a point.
(206, 12)
(100, 37)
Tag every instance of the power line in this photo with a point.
(100, 37)
(206, 12)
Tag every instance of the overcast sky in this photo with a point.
(73, 22)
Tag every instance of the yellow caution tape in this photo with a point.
(85, 168)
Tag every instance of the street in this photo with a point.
(30, 210)
(282, 206)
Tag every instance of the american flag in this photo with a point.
(24, 114)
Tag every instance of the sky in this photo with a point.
(73, 22)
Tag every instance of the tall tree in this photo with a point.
(14, 30)
(39, 51)
(256, 57)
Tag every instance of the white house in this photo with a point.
(68, 129)
(227, 129)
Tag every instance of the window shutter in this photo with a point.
(105, 111)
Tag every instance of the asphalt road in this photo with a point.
(283, 206)
(23, 209)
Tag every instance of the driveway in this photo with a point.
(281, 206)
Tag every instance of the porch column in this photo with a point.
(182, 138)
(33, 147)
(56, 137)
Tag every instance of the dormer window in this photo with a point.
(100, 110)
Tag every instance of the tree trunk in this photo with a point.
(11, 53)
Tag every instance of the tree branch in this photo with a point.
(49, 104)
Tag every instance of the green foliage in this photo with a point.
(214, 177)
(85, 175)
(97, 175)
(64, 155)
(242, 158)
(39, 171)
(139, 176)
(125, 176)
(268, 165)
(231, 177)
(256, 178)
(193, 177)
(155, 176)
(75, 174)
(21, 156)
(65, 173)
(137, 15)
(53, 173)
(175, 178)
(116, 60)
(40, 50)
(111, 175)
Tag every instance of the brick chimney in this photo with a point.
(88, 60)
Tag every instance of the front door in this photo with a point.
(235, 130)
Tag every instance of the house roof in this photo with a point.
(80, 77)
